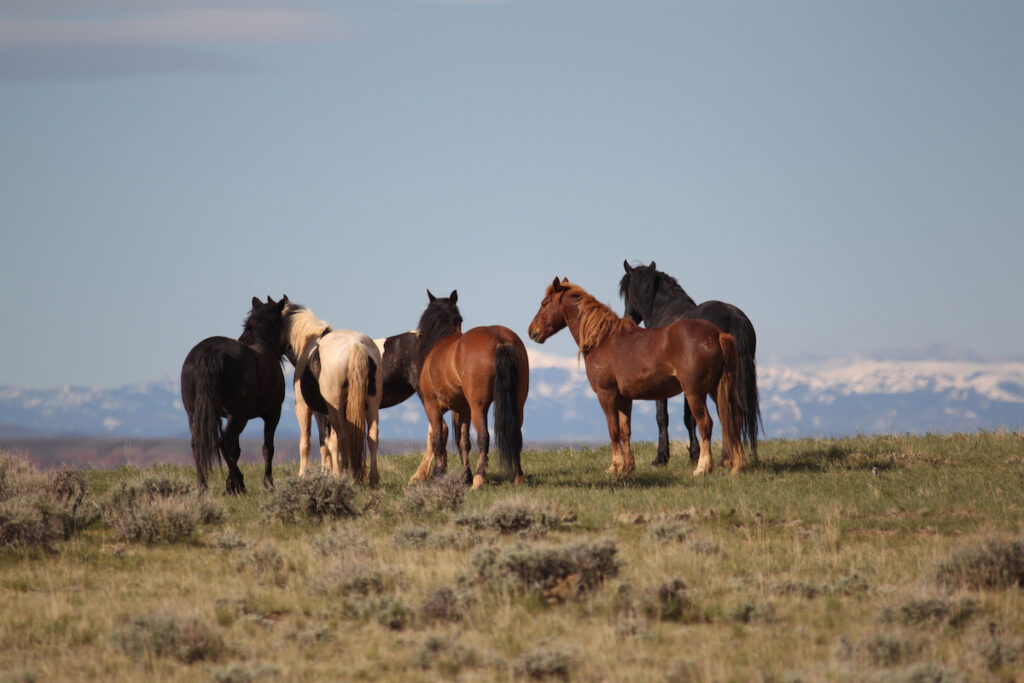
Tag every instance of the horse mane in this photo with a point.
(640, 288)
(439, 320)
(300, 326)
(262, 327)
(597, 321)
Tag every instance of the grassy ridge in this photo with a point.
(850, 559)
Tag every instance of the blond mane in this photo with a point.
(302, 327)
(597, 321)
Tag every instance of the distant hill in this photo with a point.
(937, 389)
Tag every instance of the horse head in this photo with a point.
(441, 319)
(550, 317)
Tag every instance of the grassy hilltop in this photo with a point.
(872, 558)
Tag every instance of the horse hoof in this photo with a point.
(478, 481)
(658, 462)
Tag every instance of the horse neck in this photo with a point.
(597, 324)
(427, 345)
(304, 329)
(671, 295)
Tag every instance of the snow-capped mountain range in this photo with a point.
(932, 390)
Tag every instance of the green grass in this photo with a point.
(827, 560)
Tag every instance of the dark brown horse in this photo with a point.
(240, 380)
(626, 362)
(465, 373)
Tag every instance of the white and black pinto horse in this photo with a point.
(337, 377)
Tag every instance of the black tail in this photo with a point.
(508, 431)
(206, 411)
(746, 387)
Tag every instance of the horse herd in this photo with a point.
(343, 378)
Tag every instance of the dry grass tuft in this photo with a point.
(158, 510)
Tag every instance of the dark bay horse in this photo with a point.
(626, 362)
(240, 380)
(465, 373)
(336, 377)
(656, 299)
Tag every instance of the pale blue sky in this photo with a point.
(851, 174)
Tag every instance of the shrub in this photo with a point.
(39, 508)
(394, 613)
(934, 612)
(157, 509)
(421, 537)
(313, 497)
(267, 562)
(994, 563)
(542, 663)
(510, 516)
(444, 493)
(556, 573)
(166, 635)
(444, 604)
(341, 542)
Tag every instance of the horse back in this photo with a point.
(460, 367)
(398, 368)
(250, 381)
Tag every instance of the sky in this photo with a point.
(850, 174)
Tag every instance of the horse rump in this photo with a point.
(508, 432)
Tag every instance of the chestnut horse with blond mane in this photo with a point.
(626, 362)
(465, 373)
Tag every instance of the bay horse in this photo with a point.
(656, 299)
(336, 377)
(240, 380)
(465, 373)
(625, 362)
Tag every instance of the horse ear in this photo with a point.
(555, 283)
(256, 302)
(625, 264)
(652, 265)
(269, 300)
(565, 280)
(454, 296)
(430, 297)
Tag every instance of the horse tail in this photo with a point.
(353, 438)
(728, 401)
(746, 386)
(508, 429)
(205, 424)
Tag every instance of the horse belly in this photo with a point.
(650, 387)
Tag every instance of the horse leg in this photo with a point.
(611, 415)
(625, 408)
(232, 451)
(334, 460)
(372, 438)
(437, 435)
(691, 430)
(323, 428)
(269, 427)
(699, 408)
(663, 449)
(460, 423)
(483, 444)
(304, 417)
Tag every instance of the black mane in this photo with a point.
(652, 295)
(264, 325)
(441, 319)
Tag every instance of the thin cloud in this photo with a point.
(187, 26)
(57, 40)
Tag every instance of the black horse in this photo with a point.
(240, 380)
(656, 299)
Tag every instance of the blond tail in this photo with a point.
(353, 436)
